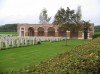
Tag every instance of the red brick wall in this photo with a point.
(46, 26)
(56, 34)
(80, 34)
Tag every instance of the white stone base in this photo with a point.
(80, 38)
(89, 38)
(68, 37)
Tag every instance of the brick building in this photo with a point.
(51, 30)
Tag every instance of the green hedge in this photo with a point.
(83, 59)
(96, 35)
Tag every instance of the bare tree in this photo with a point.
(43, 18)
(79, 14)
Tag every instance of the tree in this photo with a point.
(97, 28)
(76, 18)
(70, 20)
(8, 28)
(44, 19)
(79, 14)
(86, 24)
(85, 27)
(65, 18)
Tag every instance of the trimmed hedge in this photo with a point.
(83, 59)
(96, 35)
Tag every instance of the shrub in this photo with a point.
(96, 35)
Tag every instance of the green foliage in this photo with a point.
(83, 59)
(68, 19)
(97, 28)
(86, 24)
(96, 34)
(8, 28)
(18, 58)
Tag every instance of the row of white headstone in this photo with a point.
(10, 42)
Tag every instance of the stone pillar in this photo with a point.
(0, 44)
(36, 33)
(80, 35)
(22, 31)
(56, 33)
(90, 34)
(46, 33)
(68, 34)
(26, 33)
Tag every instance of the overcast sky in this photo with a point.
(28, 11)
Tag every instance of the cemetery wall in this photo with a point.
(50, 30)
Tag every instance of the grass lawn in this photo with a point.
(17, 58)
(8, 32)
(96, 32)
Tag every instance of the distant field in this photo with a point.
(96, 32)
(16, 32)
(8, 32)
(17, 58)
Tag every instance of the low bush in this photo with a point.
(96, 35)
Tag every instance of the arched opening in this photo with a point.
(62, 32)
(51, 31)
(30, 31)
(40, 31)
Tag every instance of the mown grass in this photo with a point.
(8, 32)
(17, 58)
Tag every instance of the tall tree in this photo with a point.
(65, 18)
(43, 18)
(76, 18)
(79, 14)
(70, 20)
(85, 26)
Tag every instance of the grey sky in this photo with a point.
(27, 11)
